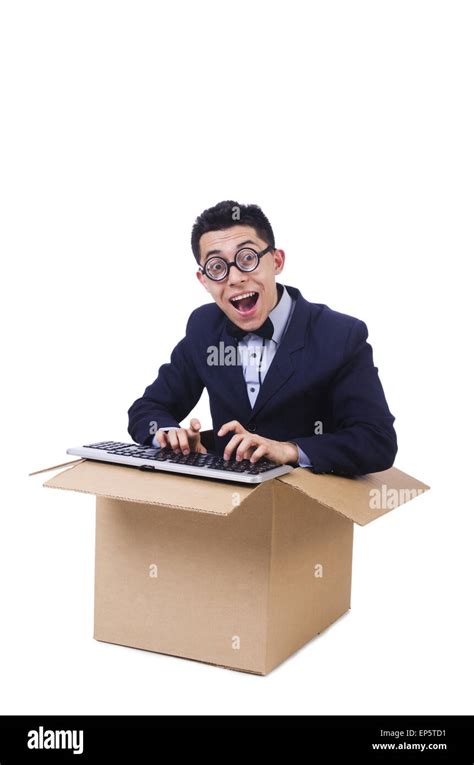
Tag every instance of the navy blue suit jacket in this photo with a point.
(323, 371)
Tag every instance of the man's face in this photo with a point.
(248, 313)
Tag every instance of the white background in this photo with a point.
(351, 124)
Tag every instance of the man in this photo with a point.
(288, 380)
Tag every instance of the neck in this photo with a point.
(278, 294)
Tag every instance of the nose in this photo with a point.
(235, 276)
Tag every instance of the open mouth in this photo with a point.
(245, 303)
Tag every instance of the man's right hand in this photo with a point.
(183, 440)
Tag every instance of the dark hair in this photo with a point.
(227, 214)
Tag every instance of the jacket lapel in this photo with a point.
(282, 367)
(231, 380)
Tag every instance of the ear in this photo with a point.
(200, 278)
(278, 260)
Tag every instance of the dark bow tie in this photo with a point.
(266, 330)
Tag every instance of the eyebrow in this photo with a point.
(237, 247)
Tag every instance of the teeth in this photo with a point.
(241, 297)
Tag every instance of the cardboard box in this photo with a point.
(234, 575)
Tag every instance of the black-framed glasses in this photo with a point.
(246, 259)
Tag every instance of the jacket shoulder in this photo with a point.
(206, 318)
(323, 317)
(332, 318)
(334, 328)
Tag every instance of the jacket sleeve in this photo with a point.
(364, 439)
(171, 397)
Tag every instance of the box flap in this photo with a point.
(361, 499)
(53, 467)
(127, 483)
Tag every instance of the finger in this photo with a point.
(201, 449)
(249, 452)
(183, 440)
(193, 431)
(244, 445)
(173, 439)
(194, 436)
(233, 444)
(162, 439)
(260, 452)
(233, 425)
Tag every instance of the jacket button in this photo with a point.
(252, 426)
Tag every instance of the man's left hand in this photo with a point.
(252, 447)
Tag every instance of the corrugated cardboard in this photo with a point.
(234, 575)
